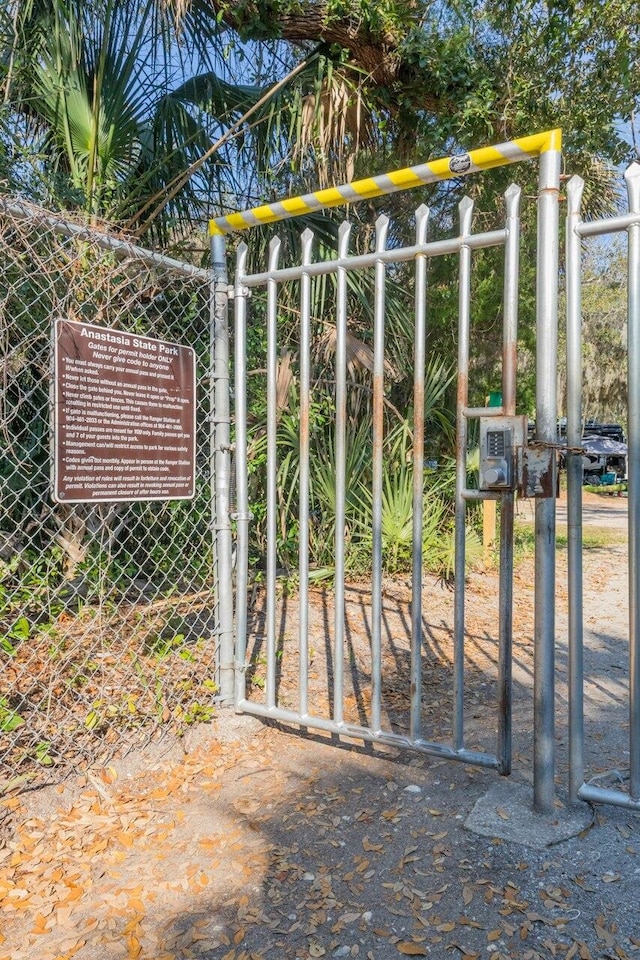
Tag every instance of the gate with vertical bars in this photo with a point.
(581, 665)
(345, 708)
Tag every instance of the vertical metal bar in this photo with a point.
(221, 464)
(303, 556)
(382, 228)
(243, 515)
(272, 471)
(340, 466)
(511, 293)
(632, 176)
(509, 363)
(464, 320)
(545, 522)
(419, 362)
(574, 487)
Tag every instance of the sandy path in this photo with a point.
(260, 843)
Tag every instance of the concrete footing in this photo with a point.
(506, 812)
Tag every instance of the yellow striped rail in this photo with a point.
(459, 165)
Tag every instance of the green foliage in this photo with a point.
(377, 18)
(10, 719)
(105, 127)
(397, 495)
(604, 335)
(42, 754)
(609, 490)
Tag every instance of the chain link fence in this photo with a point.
(107, 611)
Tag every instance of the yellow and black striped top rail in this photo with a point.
(460, 165)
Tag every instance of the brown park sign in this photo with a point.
(123, 416)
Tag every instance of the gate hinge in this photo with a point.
(234, 292)
(248, 516)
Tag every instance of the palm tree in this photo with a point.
(96, 102)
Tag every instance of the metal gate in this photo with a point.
(498, 426)
(577, 232)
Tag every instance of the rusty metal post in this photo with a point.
(545, 521)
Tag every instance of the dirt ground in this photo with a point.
(247, 840)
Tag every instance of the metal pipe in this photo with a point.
(340, 467)
(382, 229)
(419, 363)
(356, 732)
(574, 486)
(511, 295)
(596, 228)
(303, 546)
(243, 515)
(601, 795)
(509, 363)
(545, 517)
(120, 248)
(472, 413)
(484, 158)
(476, 496)
(272, 471)
(220, 456)
(632, 176)
(465, 209)
(437, 248)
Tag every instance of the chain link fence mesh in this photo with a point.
(107, 611)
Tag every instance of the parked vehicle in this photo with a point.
(604, 459)
(605, 453)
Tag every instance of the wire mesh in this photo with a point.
(107, 611)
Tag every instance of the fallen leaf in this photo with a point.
(584, 885)
(369, 846)
(464, 953)
(39, 924)
(134, 947)
(604, 935)
(412, 949)
(74, 894)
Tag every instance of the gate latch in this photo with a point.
(507, 462)
(501, 440)
(538, 472)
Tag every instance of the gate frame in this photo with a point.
(546, 147)
(577, 229)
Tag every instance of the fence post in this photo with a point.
(545, 521)
(574, 486)
(632, 176)
(220, 414)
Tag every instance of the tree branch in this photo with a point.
(377, 55)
